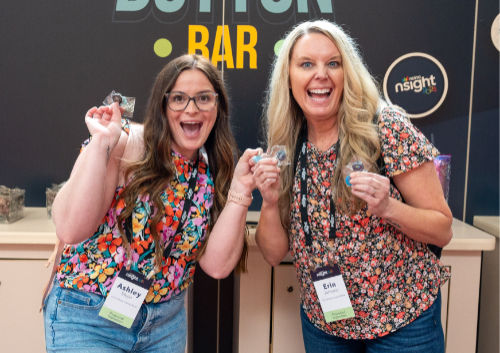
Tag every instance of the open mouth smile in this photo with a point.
(319, 94)
(191, 128)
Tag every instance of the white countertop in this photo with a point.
(490, 224)
(37, 228)
(34, 228)
(467, 237)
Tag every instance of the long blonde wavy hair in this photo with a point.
(283, 117)
(151, 174)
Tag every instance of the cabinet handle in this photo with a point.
(289, 289)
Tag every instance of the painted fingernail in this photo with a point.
(348, 180)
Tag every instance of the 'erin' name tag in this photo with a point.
(332, 293)
(125, 297)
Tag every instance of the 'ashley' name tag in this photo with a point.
(125, 297)
(332, 293)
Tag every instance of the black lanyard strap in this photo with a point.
(302, 165)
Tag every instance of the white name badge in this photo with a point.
(125, 297)
(332, 293)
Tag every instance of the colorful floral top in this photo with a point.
(93, 264)
(391, 279)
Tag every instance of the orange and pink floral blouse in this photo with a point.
(93, 265)
(391, 279)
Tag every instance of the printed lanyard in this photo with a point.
(188, 201)
(328, 282)
(303, 191)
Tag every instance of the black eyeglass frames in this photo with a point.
(204, 101)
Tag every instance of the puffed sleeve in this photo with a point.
(403, 146)
(125, 128)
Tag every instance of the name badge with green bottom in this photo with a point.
(332, 293)
(125, 297)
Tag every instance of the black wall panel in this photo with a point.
(59, 58)
(482, 191)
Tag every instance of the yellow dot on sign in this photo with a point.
(277, 47)
(162, 47)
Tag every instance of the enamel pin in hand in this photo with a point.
(127, 103)
(356, 165)
(277, 151)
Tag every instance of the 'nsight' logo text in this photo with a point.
(417, 84)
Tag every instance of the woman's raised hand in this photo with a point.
(373, 189)
(105, 123)
(243, 180)
(267, 179)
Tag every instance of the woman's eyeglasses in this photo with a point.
(178, 101)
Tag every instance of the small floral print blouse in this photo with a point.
(391, 279)
(93, 264)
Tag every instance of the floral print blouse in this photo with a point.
(93, 265)
(391, 279)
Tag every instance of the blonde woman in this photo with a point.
(360, 208)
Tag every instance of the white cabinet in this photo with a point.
(460, 323)
(21, 286)
(25, 246)
(287, 331)
(254, 304)
(489, 327)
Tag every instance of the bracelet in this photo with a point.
(240, 199)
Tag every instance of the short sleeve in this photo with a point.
(125, 128)
(403, 146)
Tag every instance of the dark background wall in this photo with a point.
(482, 186)
(59, 58)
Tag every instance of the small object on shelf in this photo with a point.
(50, 195)
(11, 204)
(127, 103)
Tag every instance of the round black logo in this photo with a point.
(416, 82)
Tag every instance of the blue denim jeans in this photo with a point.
(423, 335)
(72, 324)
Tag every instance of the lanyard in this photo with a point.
(302, 164)
(188, 201)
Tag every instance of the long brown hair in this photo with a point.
(151, 174)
